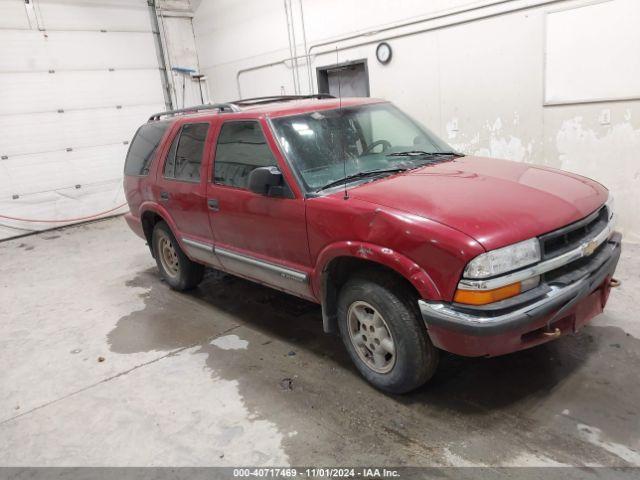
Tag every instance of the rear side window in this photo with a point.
(185, 155)
(241, 148)
(142, 148)
(170, 162)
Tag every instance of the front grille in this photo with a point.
(577, 269)
(572, 236)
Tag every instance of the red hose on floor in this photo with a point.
(64, 220)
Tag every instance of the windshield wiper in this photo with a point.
(422, 153)
(355, 176)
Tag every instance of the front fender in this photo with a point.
(401, 264)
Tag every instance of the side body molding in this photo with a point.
(277, 276)
(197, 250)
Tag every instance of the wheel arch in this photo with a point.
(337, 263)
(150, 215)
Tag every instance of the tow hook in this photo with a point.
(554, 334)
(614, 283)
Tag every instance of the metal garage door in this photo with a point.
(77, 77)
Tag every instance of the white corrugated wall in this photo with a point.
(77, 77)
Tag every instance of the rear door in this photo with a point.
(181, 188)
(259, 237)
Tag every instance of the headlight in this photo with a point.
(504, 259)
(610, 203)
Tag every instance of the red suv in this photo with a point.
(409, 246)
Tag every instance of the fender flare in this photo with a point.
(166, 217)
(384, 256)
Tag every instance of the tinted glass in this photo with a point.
(185, 155)
(142, 148)
(169, 163)
(241, 148)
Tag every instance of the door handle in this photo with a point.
(213, 204)
(164, 196)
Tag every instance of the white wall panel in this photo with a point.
(45, 132)
(593, 52)
(61, 204)
(32, 50)
(219, 38)
(42, 91)
(106, 84)
(30, 174)
(95, 14)
(12, 14)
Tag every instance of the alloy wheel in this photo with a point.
(371, 337)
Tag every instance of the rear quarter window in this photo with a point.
(143, 147)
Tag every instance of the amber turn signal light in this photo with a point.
(483, 297)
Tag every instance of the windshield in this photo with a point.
(330, 145)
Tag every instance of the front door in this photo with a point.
(259, 237)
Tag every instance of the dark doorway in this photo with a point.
(353, 78)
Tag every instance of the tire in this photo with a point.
(414, 360)
(175, 267)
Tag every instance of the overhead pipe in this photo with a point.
(401, 35)
(161, 54)
(306, 51)
(293, 75)
(295, 45)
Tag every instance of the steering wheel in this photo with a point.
(386, 146)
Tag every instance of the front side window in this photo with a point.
(241, 148)
(143, 147)
(325, 145)
(185, 154)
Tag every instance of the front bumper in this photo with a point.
(563, 309)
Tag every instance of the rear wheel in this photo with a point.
(175, 267)
(381, 328)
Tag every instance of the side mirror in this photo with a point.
(268, 181)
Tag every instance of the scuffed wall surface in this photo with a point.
(609, 155)
(474, 75)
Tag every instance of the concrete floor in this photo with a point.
(237, 374)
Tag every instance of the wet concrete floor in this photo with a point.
(102, 364)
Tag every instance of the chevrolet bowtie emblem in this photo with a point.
(589, 248)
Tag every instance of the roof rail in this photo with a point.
(233, 106)
(278, 98)
(230, 107)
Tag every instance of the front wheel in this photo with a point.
(175, 267)
(381, 328)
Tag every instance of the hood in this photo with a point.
(496, 202)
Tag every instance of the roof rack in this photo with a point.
(221, 107)
(233, 106)
(279, 98)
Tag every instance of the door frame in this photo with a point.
(196, 246)
(322, 74)
(278, 273)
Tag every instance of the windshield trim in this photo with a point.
(323, 108)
